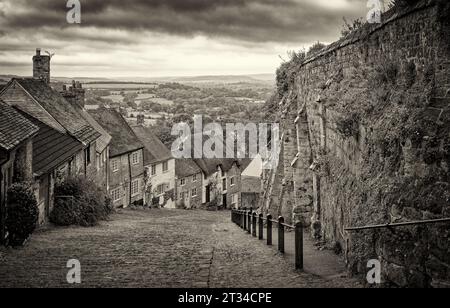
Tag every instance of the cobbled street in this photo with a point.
(155, 248)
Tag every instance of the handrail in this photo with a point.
(265, 219)
(400, 224)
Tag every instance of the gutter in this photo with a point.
(2, 203)
(130, 177)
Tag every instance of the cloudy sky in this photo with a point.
(150, 38)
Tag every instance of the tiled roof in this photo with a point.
(51, 148)
(105, 138)
(209, 165)
(124, 140)
(14, 127)
(54, 104)
(186, 167)
(155, 151)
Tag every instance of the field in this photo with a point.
(119, 86)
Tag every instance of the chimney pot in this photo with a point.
(38, 51)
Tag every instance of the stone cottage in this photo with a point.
(221, 182)
(65, 145)
(160, 169)
(126, 159)
(189, 183)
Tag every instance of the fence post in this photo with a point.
(261, 226)
(254, 224)
(244, 218)
(249, 222)
(299, 246)
(269, 230)
(281, 234)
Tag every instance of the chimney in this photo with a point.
(41, 66)
(75, 94)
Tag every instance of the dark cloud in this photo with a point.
(246, 20)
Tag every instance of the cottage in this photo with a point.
(55, 157)
(221, 182)
(160, 169)
(126, 159)
(188, 183)
(66, 143)
(16, 133)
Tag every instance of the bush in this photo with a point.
(348, 126)
(316, 48)
(155, 201)
(350, 27)
(79, 201)
(180, 204)
(287, 72)
(66, 212)
(213, 205)
(22, 213)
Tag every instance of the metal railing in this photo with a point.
(253, 224)
(400, 224)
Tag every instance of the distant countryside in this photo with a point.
(161, 104)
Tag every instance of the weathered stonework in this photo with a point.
(41, 66)
(372, 133)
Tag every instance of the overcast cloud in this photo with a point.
(147, 38)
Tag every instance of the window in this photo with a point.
(135, 188)
(232, 181)
(194, 178)
(234, 199)
(116, 195)
(194, 192)
(165, 167)
(135, 158)
(153, 171)
(160, 189)
(224, 184)
(115, 165)
(183, 182)
(70, 166)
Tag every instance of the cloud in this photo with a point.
(166, 37)
(257, 21)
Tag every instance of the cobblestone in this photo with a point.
(154, 248)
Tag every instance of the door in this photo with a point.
(5, 182)
(208, 193)
(44, 203)
(224, 201)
